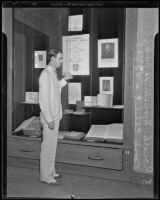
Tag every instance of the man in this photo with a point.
(51, 114)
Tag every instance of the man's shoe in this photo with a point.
(57, 176)
(51, 182)
(54, 183)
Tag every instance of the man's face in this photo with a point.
(59, 60)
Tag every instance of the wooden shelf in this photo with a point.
(72, 142)
(104, 107)
(86, 143)
(22, 137)
(24, 102)
(78, 114)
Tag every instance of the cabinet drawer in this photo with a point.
(90, 156)
(24, 148)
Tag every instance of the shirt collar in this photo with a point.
(52, 69)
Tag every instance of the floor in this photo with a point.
(24, 182)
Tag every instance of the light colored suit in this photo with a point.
(51, 110)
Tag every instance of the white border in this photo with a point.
(107, 63)
(101, 79)
(37, 62)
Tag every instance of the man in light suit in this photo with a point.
(51, 114)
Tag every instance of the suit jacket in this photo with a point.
(50, 95)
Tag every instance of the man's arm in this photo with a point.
(63, 81)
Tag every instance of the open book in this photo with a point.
(30, 127)
(111, 132)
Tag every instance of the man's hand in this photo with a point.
(51, 125)
(68, 76)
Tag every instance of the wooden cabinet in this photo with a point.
(70, 152)
(20, 147)
(88, 155)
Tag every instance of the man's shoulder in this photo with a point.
(44, 73)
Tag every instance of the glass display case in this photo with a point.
(91, 100)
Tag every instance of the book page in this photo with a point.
(97, 131)
(24, 124)
(115, 131)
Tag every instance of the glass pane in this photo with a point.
(95, 94)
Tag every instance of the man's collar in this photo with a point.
(51, 68)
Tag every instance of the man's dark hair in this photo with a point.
(53, 52)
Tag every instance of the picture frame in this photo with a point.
(74, 92)
(108, 53)
(75, 23)
(40, 58)
(106, 85)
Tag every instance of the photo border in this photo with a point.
(108, 63)
(101, 79)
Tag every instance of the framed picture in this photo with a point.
(40, 59)
(108, 53)
(74, 92)
(106, 85)
(75, 23)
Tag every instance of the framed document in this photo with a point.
(32, 97)
(40, 59)
(75, 23)
(76, 54)
(74, 92)
(108, 53)
(106, 85)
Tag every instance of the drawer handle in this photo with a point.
(95, 157)
(24, 150)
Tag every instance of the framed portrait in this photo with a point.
(106, 85)
(40, 58)
(108, 53)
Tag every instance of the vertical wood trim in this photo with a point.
(7, 20)
(93, 54)
(130, 38)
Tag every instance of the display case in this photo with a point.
(100, 104)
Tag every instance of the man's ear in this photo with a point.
(52, 58)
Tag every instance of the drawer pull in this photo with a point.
(24, 150)
(95, 157)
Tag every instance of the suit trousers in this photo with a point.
(48, 152)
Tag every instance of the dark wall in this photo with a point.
(110, 24)
(102, 23)
(25, 75)
(35, 41)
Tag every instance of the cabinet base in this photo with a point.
(73, 169)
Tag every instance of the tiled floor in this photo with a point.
(24, 182)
